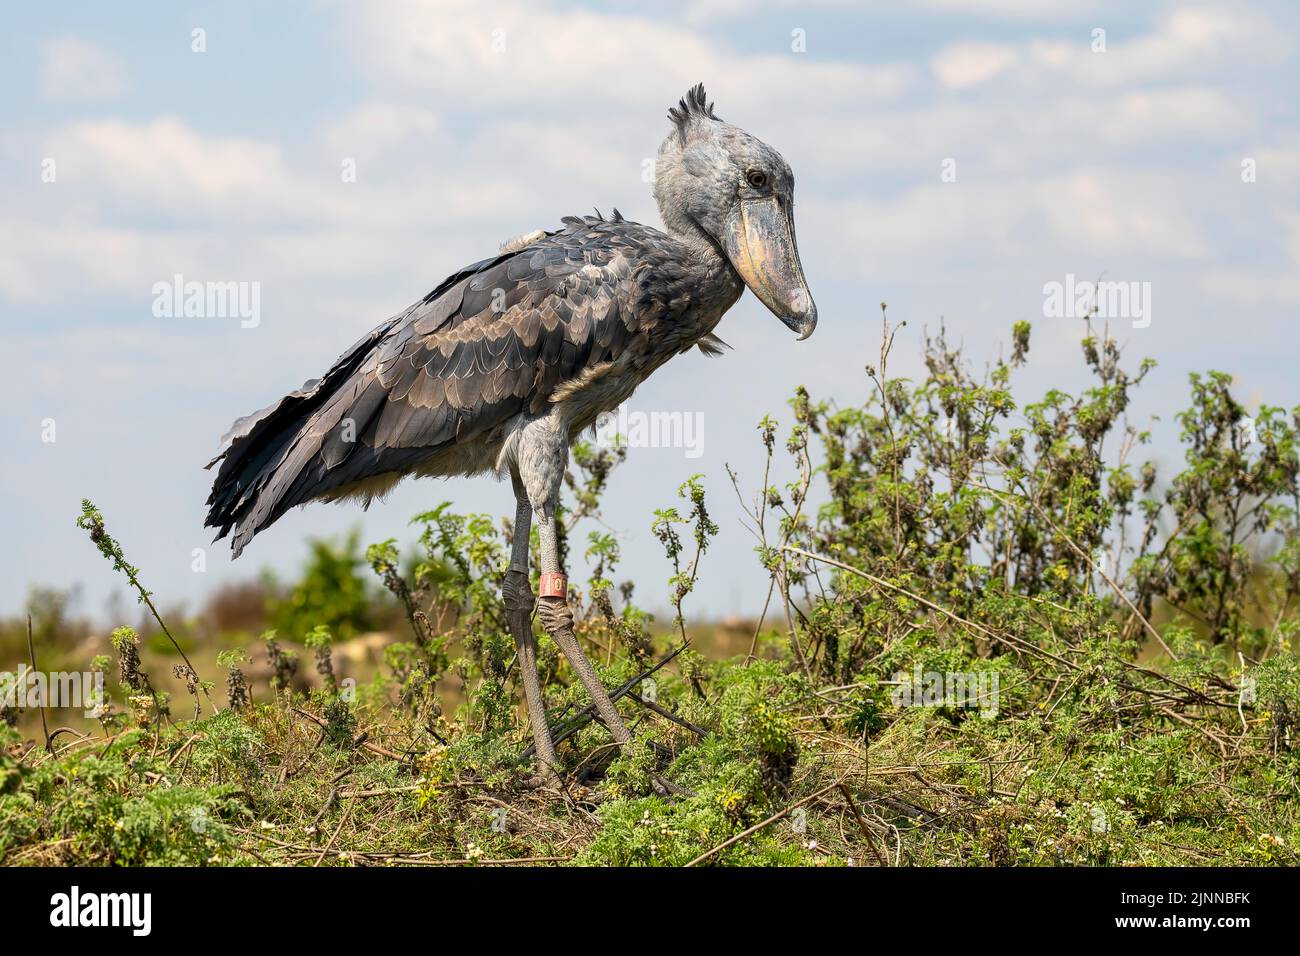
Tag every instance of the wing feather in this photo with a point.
(491, 341)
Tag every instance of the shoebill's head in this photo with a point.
(716, 179)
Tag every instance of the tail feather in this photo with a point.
(264, 453)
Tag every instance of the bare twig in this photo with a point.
(337, 830)
(31, 651)
(862, 826)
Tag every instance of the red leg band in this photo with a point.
(553, 584)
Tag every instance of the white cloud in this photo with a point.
(378, 128)
(1186, 42)
(74, 69)
(1194, 38)
(171, 167)
(469, 55)
(1278, 163)
(970, 64)
(242, 206)
(1015, 9)
(1123, 213)
(246, 207)
(1004, 139)
(135, 171)
(708, 10)
(45, 260)
(139, 201)
(1114, 215)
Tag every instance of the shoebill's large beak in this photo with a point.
(760, 243)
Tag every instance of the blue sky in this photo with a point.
(472, 123)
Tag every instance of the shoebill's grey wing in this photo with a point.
(491, 341)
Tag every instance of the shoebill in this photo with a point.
(500, 367)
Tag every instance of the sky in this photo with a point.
(953, 158)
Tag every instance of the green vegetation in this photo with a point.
(329, 594)
(1000, 640)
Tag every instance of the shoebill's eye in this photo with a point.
(756, 178)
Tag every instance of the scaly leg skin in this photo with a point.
(518, 599)
(557, 618)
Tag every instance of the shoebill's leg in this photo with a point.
(541, 452)
(557, 618)
(518, 595)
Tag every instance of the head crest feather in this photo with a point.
(694, 105)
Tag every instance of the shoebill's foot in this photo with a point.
(666, 788)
